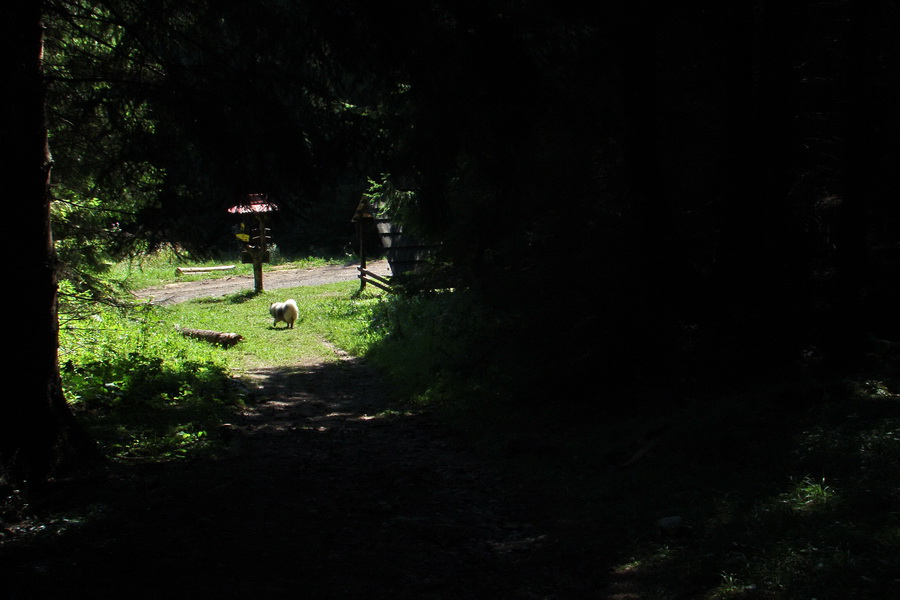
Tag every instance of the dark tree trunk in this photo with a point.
(656, 290)
(39, 438)
(758, 262)
(859, 154)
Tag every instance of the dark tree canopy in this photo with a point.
(652, 174)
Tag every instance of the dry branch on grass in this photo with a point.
(225, 340)
(183, 270)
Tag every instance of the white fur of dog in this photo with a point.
(286, 311)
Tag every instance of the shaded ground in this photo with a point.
(325, 493)
(320, 498)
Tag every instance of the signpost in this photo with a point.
(253, 234)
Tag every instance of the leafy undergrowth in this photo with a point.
(781, 491)
(143, 391)
(154, 410)
(768, 495)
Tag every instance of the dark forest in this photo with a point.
(672, 195)
(724, 173)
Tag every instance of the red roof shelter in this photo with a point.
(255, 236)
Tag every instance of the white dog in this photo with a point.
(286, 311)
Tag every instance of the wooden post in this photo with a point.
(362, 254)
(259, 206)
(361, 217)
(258, 255)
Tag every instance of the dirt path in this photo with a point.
(325, 494)
(272, 279)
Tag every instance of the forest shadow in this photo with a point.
(774, 488)
(324, 492)
(327, 490)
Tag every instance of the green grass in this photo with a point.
(329, 314)
(146, 392)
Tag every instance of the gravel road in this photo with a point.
(273, 279)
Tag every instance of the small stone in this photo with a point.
(672, 526)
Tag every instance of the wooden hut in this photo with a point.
(405, 253)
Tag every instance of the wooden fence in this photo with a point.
(405, 253)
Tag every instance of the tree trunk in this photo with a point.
(758, 255)
(39, 438)
(859, 137)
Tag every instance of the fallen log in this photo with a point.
(183, 270)
(226, 340)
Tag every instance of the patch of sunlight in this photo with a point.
(808, 494)
(731, 584)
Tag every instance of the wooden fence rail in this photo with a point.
(366, 276)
